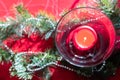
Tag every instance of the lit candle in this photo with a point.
(84, 37)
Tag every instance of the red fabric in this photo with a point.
(58, 74)
(63, 74)
(33, 43)
(54, 7)
(118, 3)
(4, 72)
(116, 76)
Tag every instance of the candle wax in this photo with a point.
(84, 37)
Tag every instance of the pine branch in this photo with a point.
(4, 55)
(22, 11)
(108, 6)
(115, 18)
(6, 30)
(24, 20)
(19, 67)
(24, 68)
(41, 61)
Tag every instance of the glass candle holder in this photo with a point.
(85, 37)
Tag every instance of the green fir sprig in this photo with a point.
(107, 6)
(25, 68)
(23, 64)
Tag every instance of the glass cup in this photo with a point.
(85, 37)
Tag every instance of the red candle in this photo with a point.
(84, 37)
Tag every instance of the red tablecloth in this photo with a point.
(55, 7)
